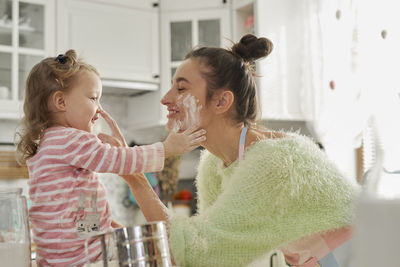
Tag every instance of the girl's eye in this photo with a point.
(180, 89)
(94, 98)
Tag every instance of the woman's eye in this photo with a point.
(94, 98)
(180, 89)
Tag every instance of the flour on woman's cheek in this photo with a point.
(191, 109)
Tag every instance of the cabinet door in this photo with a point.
(192, 5)
(26, 37)
(120, 41)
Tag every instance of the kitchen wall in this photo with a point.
(7, 130)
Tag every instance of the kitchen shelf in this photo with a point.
(9, 168)
(21, 29)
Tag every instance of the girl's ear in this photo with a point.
(58, 101)
(223, 101)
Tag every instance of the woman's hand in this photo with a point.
(115, 224)
(116, 138)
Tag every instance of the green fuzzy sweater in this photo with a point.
(282, 190)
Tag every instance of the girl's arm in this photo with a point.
(175, 144)
(88, 152)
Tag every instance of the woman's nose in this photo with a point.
(166, 98)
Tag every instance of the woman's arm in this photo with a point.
(115, 224)
(150, 204)
(152, 207)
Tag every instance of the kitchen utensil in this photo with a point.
(15, 249)
(136, 246)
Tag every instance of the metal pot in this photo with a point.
(136, 246)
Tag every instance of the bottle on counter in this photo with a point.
(15, 248)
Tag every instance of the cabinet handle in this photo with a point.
(156, 76)
(155, 4)
(224, 1)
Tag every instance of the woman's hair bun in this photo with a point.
(251, 48)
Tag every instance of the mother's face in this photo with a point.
(186, 99)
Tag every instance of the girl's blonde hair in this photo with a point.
(50, 75)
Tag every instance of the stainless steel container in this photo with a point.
(137, 246)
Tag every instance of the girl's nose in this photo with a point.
(99, 108)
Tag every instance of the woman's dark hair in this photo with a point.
(233, 69)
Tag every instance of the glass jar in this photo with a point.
(15, 247)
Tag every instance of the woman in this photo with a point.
(257, 189)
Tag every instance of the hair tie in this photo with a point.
(61, 58)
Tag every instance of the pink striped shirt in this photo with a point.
(68, 202)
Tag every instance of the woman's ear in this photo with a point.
(58, 101)
(223, 101)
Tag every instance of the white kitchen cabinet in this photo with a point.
(120, 38)
(176, 5)
(280, 74)
(26, 37)
(180, 32)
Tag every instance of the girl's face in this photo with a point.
(186, 99)
(83, 101)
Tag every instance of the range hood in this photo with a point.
(128, 88)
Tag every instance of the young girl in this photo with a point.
(68, 201)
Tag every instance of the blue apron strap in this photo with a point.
(328, 261)
(242, 142)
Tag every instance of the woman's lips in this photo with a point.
(172, 114)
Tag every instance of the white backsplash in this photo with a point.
(7, 130)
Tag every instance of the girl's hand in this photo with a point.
(180, 143)
(116, 138)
